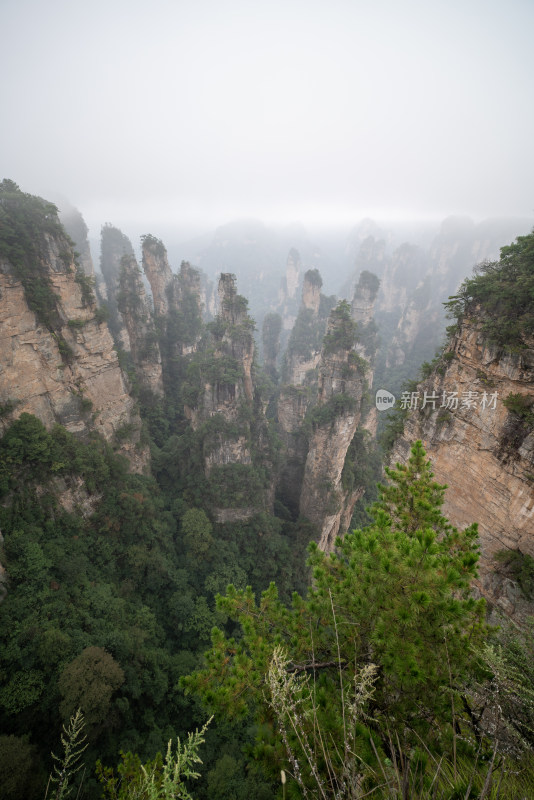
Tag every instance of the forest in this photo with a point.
(178, 632)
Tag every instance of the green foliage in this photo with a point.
(370, 282)
(395, 420)
(501, 295)
(271, 330)
(395, 594)
(131, 571)
(313, 276)
(87, 684)
(236, 304)
(437, 364)
(362, 468)
(102, 314)
(24, 222)
(324, 415)
(306, 336)
(154, 244)
(74, 744)
(98, 578)
(86, 284)
(184, 323)
(341, 333)
(77, 324)
(520, 566)
(128, 297)
(521, 405)
(159, 779)
(113, 246)
(20, 771)
(197, 533)
(367, 336)
(7, 407)
(236, 485)
(518, 425)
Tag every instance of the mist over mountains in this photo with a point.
(257, 252)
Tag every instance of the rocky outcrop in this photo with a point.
(237, 339)
(59, 363)
(178, 304)
(75, 226)
(482, 449)
(290, 282)
(185, 297)
(228, 382)
(270, 333)
(416, 280)
(225, 414)
(311, 291)
(362, 312)
(299, 387)
(364, 299)
(114, 245)
(304, 346)
(287, 305)
(324, 500)
(159, 274)
(403, 271)
(136, 313)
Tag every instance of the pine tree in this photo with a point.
(394, 597)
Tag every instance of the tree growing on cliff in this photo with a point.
(501, 294)
(390, 611)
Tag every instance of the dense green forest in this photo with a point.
(106, 612)
(131, 615)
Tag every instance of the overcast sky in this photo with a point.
(207, 110)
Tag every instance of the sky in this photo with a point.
(198, 112)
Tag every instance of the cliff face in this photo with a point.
(481, 450)
(75, 226)
(416, 280)
(225, 415)
(299, 386)
(137, 316)
(362, 312)
(114, 246)
(178, 304)
(324, 500)
(319, 407)
(304, 347)
(56, 355)
(229, 376)
(293, 269)
(311, 292)
(287, 305)
(159, 274)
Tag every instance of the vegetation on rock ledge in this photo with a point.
(501, 293)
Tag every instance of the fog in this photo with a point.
(192, 114)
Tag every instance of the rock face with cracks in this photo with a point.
(224, 411)
(482, 450)
(69, 375)
(335, 418)
(137, 317)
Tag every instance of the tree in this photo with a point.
(88, 683)
(392, 604)
(197, 533)
(500, 296)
